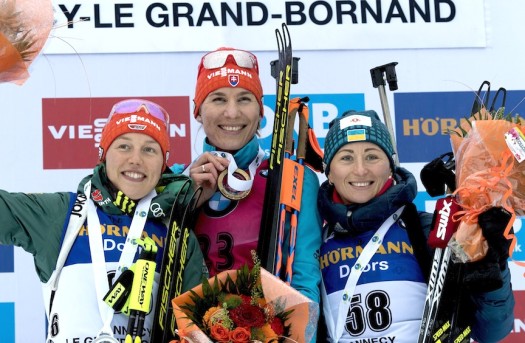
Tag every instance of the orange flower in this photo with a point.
(219, 332)
(214, 315)
(240, 335)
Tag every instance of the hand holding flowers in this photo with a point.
(488, 174)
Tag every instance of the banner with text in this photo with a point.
(120, 26)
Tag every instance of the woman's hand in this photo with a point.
(205, 171)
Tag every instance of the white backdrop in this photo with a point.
(486, 45)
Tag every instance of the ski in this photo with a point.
(182, 220)
(434, 295)
(429, 299)
(268, 235)
(443, 318)
(446, 321)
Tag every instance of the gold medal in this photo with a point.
(225, 188)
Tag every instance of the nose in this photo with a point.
(135, 157)
(360, 167)
(231, 110)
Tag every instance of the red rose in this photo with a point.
(247, 316)
(219, 332)
(277, 326)
(246, 299)
(240, 335)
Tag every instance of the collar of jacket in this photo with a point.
(354, 219)
(244, 156)
(167, 190)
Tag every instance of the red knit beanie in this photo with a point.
(227, 67)
(136, 116)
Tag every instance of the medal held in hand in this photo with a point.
(235, 183)
(228, 191)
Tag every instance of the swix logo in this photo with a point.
(444, 225)
(444, 215)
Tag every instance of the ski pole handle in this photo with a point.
(303, 131)
(378, 81)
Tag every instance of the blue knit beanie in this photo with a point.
(355, 126)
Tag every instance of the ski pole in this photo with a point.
(290, 194)
(293, 200)
(288, 152)
(378, 81)
(140, 296)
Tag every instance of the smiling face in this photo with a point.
(230, 118)
(359, 171)
(134, 164)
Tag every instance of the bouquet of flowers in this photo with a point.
(488, 148)
(245, 306)
(24, 28)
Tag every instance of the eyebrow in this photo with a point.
(366, 150)
(243, 92)
(148, 141)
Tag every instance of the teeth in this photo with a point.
(134, 175)
(360, 184)
(232, 128)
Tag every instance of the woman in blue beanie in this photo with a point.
(374, 258)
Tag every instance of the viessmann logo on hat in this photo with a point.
(229, 72)
(134, 124)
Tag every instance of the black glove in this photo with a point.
(485, 275)
(439, 173)
(493, 223)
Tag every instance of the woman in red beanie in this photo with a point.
(82, 239)
(228, 105)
